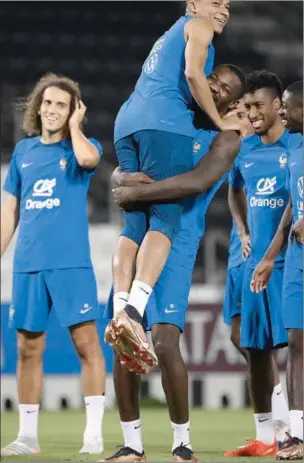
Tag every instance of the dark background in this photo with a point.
(102, 45)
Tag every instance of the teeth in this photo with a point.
(257, 124)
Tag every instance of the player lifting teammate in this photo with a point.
(154, 133)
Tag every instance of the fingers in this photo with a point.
(257, 286)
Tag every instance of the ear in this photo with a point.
(277, 104)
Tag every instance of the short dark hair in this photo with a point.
(239, 73)
(264, 79)
(296, 89)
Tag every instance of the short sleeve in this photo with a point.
(12, 182)
(235, 178)
(97, 145)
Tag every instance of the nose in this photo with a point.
(252, 113)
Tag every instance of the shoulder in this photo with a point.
(24, 145)
(199, 27)
(97, 145)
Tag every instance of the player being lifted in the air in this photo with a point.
(47, 185)
(154, 132)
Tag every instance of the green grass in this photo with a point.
(61, 434)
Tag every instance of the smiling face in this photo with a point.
(262, 109)
(225, 87)
(55, 110)
(292, 112)
(215, 11)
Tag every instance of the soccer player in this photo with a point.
(232, 317)
(167, 307)
(292, 112)
(154, 133)
(261, 170)
(47, 185)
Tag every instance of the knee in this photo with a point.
(164, 347)
(87, 348)
(30, 349)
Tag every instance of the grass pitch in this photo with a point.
(60, 434)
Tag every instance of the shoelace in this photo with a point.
(291, 440)
(123, 452)
(183, 452)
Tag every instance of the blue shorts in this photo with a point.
(160, 155)
(262, 315)
(168, 302)
(293, 298)
(233, 293)
(72, 293)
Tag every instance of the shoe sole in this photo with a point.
(126, 342)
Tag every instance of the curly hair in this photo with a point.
(264, 79)
(31, 121)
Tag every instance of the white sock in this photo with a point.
(28, 422)
(139, 296)
(132, 435)
(296, 423)
(265, 431)
(181, 435)
(94, 413)
(279, 405)
(120, 301)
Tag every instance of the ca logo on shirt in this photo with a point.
(265, 186)
(196, 147)
(43, 188)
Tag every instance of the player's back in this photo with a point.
(162, 99)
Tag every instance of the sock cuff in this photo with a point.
(95, 398)
(182, 424)
(29, 407)
(121, 295)
(278, 388)
(131, 423)
(143, 285)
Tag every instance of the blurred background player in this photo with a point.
(260, 170)
(167, 307)
(49, 174)
(292, 113)
(154, 133)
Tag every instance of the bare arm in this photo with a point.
(9, 221)
(85, 152)
(198, 35)
(280, 239)
(120, 178)
(238, 208)
(209, 170)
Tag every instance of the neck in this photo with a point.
(49, 137)
(274, 133)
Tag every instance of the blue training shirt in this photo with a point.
(294, 253)
(162, 99)
(186, 243)
(52, 187)
(262, 169)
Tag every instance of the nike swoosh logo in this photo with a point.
(278, 393)
(31, 411)
(24, 165)
(136, 427)
(262, 421)
(170, 311)
(147, 292)
(85, 310)
(249, 165)
(293, 164)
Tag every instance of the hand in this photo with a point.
(135, 179)
(297, 231)
(261, 276)
(125, 194)
(78, 114)
(230, 122)
(246, 245)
